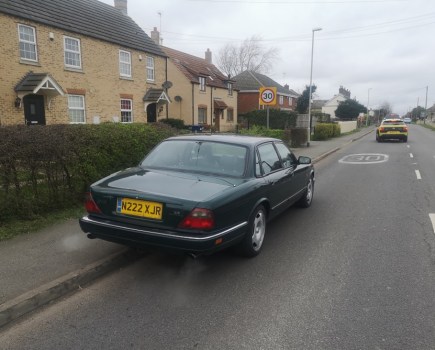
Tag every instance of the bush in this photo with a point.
(175, 123)
(277, 119)
(46, 168)
(324, 131)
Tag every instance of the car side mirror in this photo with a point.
(304, 160)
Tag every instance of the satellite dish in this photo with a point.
(167, 84)
(177, 98)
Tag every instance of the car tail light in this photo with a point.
(198, 218)
(381, 129)
(405, 129)
(90, 205)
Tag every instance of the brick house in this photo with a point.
(200, 93)
(77, 61)
(248, 83)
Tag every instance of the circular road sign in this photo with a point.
(268, 96)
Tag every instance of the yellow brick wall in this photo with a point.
(99, 77)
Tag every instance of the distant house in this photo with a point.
(332, 104)
(201, 94)
(248, 84)
(316, 106)
(75, 62)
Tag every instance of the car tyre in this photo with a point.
(405, 139)
(252, 243)
(307, 198)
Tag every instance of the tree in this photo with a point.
(250, 55)
(349, 109)
(302, 102)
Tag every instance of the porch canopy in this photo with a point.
(219, 104)
(158, 96)
(39, 84)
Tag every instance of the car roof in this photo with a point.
(227, 138)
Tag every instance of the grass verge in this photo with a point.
(14, 228)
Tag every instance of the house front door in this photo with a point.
(152, 113)
(34, 110)
(217, 117)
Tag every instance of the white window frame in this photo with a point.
(204, 116)
(150, 69)
(126, 111)
(31, 44)
(74, 52)
(202, 84)
(77, 108)
(281, 100)
(125, 65)
(230, 111)
(230, 89)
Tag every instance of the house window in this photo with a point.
(76, 109)
(150, 68)
(27, 37)
(125, 64)
(281, 99)
(201, 83)
(230, 89)
(290, 101)
(202, 115)
(230, 115)
(126, 111)
(72, 52)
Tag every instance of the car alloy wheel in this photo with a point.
(307, 198)
(253, 241)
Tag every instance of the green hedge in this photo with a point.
(277, 119)
(46, 168)
(325, 131)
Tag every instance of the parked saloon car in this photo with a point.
(200, 193)
(392, 129)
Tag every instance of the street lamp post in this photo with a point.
(311, 83)
(368, 101)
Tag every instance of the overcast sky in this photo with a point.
(380, 50)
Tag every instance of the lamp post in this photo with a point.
(368, 101)
(311, 83)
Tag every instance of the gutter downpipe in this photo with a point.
(193, 104)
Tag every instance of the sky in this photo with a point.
(383, 51)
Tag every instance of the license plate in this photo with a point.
(393, 132)
(135, 207)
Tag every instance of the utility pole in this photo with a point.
(425, 106)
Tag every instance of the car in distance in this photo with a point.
(392, 129)
(407, 120)
(200, 193)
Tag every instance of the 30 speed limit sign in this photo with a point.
(267, 96)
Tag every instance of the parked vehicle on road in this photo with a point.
(407, 120)
(392, 129)
(199, 194)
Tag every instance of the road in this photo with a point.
(355, 271)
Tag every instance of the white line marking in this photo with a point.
(417, 173)
(432, 218)
(411, 155)
(408, 146)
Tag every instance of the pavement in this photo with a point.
(39, 267)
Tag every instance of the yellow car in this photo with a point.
(392, 129)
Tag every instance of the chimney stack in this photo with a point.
(155, 36)
(121, 5)
(208, 56)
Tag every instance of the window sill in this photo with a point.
(74, 70)
(30, 63)
(126, 78)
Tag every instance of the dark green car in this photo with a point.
(199, 194)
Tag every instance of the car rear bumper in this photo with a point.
(388, 136)
(144, 237)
